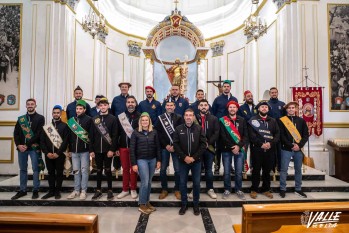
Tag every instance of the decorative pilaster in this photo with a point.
(134, 48)
(217, 48)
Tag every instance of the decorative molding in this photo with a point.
(336, 125)
(12, 149)
(8, 123)
(281, 3)
(217, 48)
(134, 48)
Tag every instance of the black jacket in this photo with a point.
(286, 138)
(122, 139)
(164, 140)
(257, 140)
(97, 143)
(36, 121)
(46, 144)
(189, 141)
(211, 129)
(144, 145)
(227, 140)
(76, 145)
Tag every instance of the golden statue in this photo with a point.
(178, 75)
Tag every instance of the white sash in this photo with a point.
(125, 124)
(53, 135)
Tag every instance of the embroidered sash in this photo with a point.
(102, 129)
(125, 124)
(78, 130)
(53, 135)
(167, 125)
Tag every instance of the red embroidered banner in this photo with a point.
(310, 107)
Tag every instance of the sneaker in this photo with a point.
(110, 195)
(93, 171)
(196, 210)
(212, 194)
(157, 171)
(241, 195)
(268, 194)
(282, 194)
(122, 194)
(163, 194)
(83, 195)
(98, 194)
(73, 195)
(48, 195)
(35, 195)
(226, 194)
(144, 209)
(19, 195)
(178, 195)
(253, 194)
(58, 195)
(150, 207)
(183, 209)
(190, 195)
(134, 194)
(203, 171)
(300, 194)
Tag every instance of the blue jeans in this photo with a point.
(146, 170)
(208, 162)
(227, 158)
(23, 169)
(81, 167)
(285, 161)
(165, 160)
(196, 176)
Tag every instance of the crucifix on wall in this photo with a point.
(218, 83)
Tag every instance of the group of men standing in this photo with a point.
(193, 136)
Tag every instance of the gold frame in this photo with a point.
(8, 123)
(93, 63)
(19, 56)
(106, 66)
(336, 125)
(12, 149)
(329, 60)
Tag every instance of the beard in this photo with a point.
(263, 114)
(131, 108)
(203, 111)
(149, 96)
(78, 98)
(250, 101)
(56, 118)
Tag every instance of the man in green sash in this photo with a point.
(27, 138)
(79, 148)
(234, 140)
(293, 135)
(103, 139)
(54, 142)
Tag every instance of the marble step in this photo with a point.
(171, 201)
(330, 184)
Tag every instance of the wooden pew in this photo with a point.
(286, 217)
(48, 222)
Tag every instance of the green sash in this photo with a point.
(28, 134)
(235, 135)
(78, 130)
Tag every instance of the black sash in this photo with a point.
(102, 129)
(260, 127)
(167, 125)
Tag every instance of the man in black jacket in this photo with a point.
(200, 95)
(291, 146)
(53, 143)
(127, 122)
(79, 149)
(28, 145)
(189, 143)
(71, 108)
(165, 127)
(103, 139)
(234, 136)
(210, 125)
(264, 134)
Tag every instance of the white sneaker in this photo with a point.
(134, 194)
(212, 194)
(73, 195)
(83, 195)
(122, 195)
(190, 195)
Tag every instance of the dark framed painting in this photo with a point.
(338, 39)
(10, 55)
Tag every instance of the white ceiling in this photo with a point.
(212, 17)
